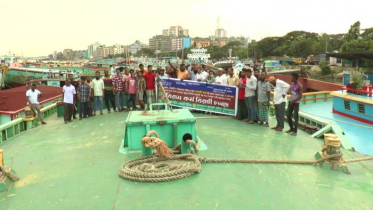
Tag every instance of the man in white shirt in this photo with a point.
(33, 101)
(98, 93)
(68, 101)
(251, 84)
(204, 74)
(221, 78)
(279, 96)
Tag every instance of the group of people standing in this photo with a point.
(123, 90)
(254, 98)
(120, 92)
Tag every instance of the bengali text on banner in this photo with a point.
(202, 96)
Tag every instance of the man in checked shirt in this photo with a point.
(118, 90)
(83, 96)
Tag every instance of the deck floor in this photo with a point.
(75, 166)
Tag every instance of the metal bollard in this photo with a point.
(185, 147)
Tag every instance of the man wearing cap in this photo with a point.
(193, 70)
(204, 73)
(161, 73)
(279, 96)
(221, 78)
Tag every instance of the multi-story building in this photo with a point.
(244, 40)
(105, 51)
(67, 52)
(220, 43)
(184, 32)
(156, 42)
(92, 49)
(220, 33)
(117, 49)
(186, 42)
(135, 47)
(176, 43)
(166, 44)
(200, 42)
(177, 31)
(166, 32)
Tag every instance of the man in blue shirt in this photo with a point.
(193, 70)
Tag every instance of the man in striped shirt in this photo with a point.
(108, 90)
(118, 90)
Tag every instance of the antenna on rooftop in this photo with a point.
(218, 23)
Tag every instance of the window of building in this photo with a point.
(361, 108)
(347, 105)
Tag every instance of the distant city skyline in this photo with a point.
(77, 24)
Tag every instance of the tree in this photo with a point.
(353, 32)
(357, 45)
(145, 52)
(367, 34)
(325, 68)
(60, 56)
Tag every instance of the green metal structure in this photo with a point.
(172, 125)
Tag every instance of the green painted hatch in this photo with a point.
(154, 117)
(170, 125)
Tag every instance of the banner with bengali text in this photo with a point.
(202, 96)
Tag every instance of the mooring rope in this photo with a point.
(166, 167)
(8, 173)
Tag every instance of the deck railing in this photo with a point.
(19, 123)
(312, 97)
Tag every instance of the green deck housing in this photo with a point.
(171, 127)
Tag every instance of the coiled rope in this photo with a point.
(169, 167)
(8, 173)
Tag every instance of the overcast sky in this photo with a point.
(39, 27)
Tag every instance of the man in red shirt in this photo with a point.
(241, 106)
(150, 85)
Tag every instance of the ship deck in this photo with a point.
(75, 166)
(358, 133)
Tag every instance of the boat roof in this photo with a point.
(14, 99)
(75, 166)
(352, 55)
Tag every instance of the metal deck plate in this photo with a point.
(178, 115)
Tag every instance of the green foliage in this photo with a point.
(368, 65)
(325, 68)
(367, 34)
(357, 45)
(357, 79)
(353, 32)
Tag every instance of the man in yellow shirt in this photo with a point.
(232, 79)
(182, 73)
